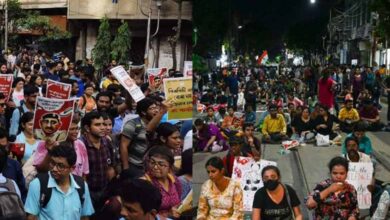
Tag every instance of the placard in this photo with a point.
(187, 72)
(17, 150)
(128, 83)
(179, 91)
(156, 77)
(6, 81)
(52, 118)
(360, 176)
(58, 90)
(248, 172)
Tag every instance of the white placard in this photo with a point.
(248, 172)
(126, 81)
(360, 176)
(187, 72)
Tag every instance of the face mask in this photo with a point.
(271, 184)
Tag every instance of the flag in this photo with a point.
(115, 1)
(263, 58)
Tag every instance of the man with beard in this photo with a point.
(99, 154)
(353, 154)
(135, 137)
(274, 127)
(59, 194)
(104, 104)
(28, 105)
(348, 116)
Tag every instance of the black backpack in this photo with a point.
(11, 206)
(45, 194)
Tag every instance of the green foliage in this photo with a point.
(101, 52)
(121, 44)
(34, 21)
(382, 7)
(14, 10)
(199, 63)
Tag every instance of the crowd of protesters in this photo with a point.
(120, 160)
(302, 103)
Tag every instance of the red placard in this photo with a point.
(58, 90)
(52, 118)
(6, 85)
(17, 150)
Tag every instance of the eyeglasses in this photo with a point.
(160, 164)
(60, 166)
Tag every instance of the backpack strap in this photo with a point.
(45, 194)
(9, 185)
(84, 101)
(288, 200)
(81, 191)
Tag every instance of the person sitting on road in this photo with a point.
(210, 118)
(294, 100)
(353, 154)
(252, 145)
(370, 115)
(302, 127)
(334, 198)
(324, 124)
(274, 127)
(208, 98)
(220, 197)
(235, 144)
(275, 200)
(250, 115)
(359, 132)
(348, 116)
(209, 136)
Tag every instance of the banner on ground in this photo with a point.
(6, 81)
(58, 90)
(248, 172)
(179, 91)
(128, 83)
(156, 77)
(360, 176)
(187, 72)
(52, 118)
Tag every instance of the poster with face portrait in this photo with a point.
(52, 118)
(6, 85)
(247, 171)
(156, 77)
(58, 90)
(128, 83)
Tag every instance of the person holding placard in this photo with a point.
(221, 198)
(275, 200)
(334, 198)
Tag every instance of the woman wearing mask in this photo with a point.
(275, 200)
(334, 198)
(220, 197)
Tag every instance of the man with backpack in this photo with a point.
(28, 105)
(11, 206)
(59, 194)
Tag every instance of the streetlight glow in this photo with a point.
(312, 1)
(240, 26)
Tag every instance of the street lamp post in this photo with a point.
(6, 26)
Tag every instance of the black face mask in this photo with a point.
(271, 184)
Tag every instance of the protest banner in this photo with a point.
(58, 90)
(247, 171)
(6, 85)
(52, 118)
(156, 77)
(128, 83)
(16, 150)
(187, 72)
(360, 176)
(179, 91)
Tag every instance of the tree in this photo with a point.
(121, 44)
(35, 22)
(382, 7)
(101, 52)
(173, 39)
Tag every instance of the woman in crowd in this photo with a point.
(357, 85)
(324, 123)
(185, 173)
(334, 198)
(17, 93)
(220, 197)
(326, 87)
(209, 136)
(26, 136)
(159, 173)
(275, 200)
(87, 102)
(37, 81)
(302, 127)
(169, 136)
